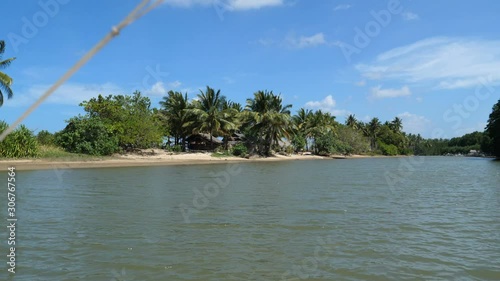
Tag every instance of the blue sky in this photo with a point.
(435, 64)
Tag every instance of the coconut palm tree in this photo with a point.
(5, 80)
(232, 112)
(373, 129)
(268, 119)
(396, 125)
(174, 108)
(209, 113)
(301, 123)
(319, 124)
(352, 122)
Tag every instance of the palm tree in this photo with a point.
(174, 108)
(373, 128)
(210, 115)
(352, 122)
(5, 80)
(396, 125)
(319, 124)
(301, 123)
(232, 112)
(268, 119)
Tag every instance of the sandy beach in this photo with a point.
(155, 157)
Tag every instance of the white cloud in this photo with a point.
(410, 16)
(228, 5)
(327, 105)
(67, 94)
(174, 85)
(413, 123)
(342, 7)
(306, 41)
(361, 83)
(379, 93)
(158, 89)
(440, 62)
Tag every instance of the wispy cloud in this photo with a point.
(379, 93)
(160, 89)
(230, 5)
(361, 83)
(295, 41)
(440, 62)
(342, 7)
(67, 94)
(410, 16)
(306, 41)
(328, 104)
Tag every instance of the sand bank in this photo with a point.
(152, 158)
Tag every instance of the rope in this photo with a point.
(139, 11)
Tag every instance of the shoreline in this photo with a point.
(159, 158)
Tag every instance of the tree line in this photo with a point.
(118, 123)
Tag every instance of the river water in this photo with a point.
(416, 218)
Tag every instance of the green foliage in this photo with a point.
(298, 142)
(460, 145)
(328, 144)
(354, 139)
(493, 130)
(387, 149)
(239, 150)
(391, 137)
(486, 144)
(5, 80)
(174, 108)
(268, 120)
(211, 113)
(20, 143)
(88, 135)
(58, 153)
(129, 118)
(175, 148)
(44, 137)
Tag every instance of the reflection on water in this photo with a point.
(309, 220)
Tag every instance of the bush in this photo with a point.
(19, 144)
(354, 141)
(87, 135)
(239, 150)
(299, 143)
(328, 144)
(175, 148)
(44, 137)
(388, 149)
